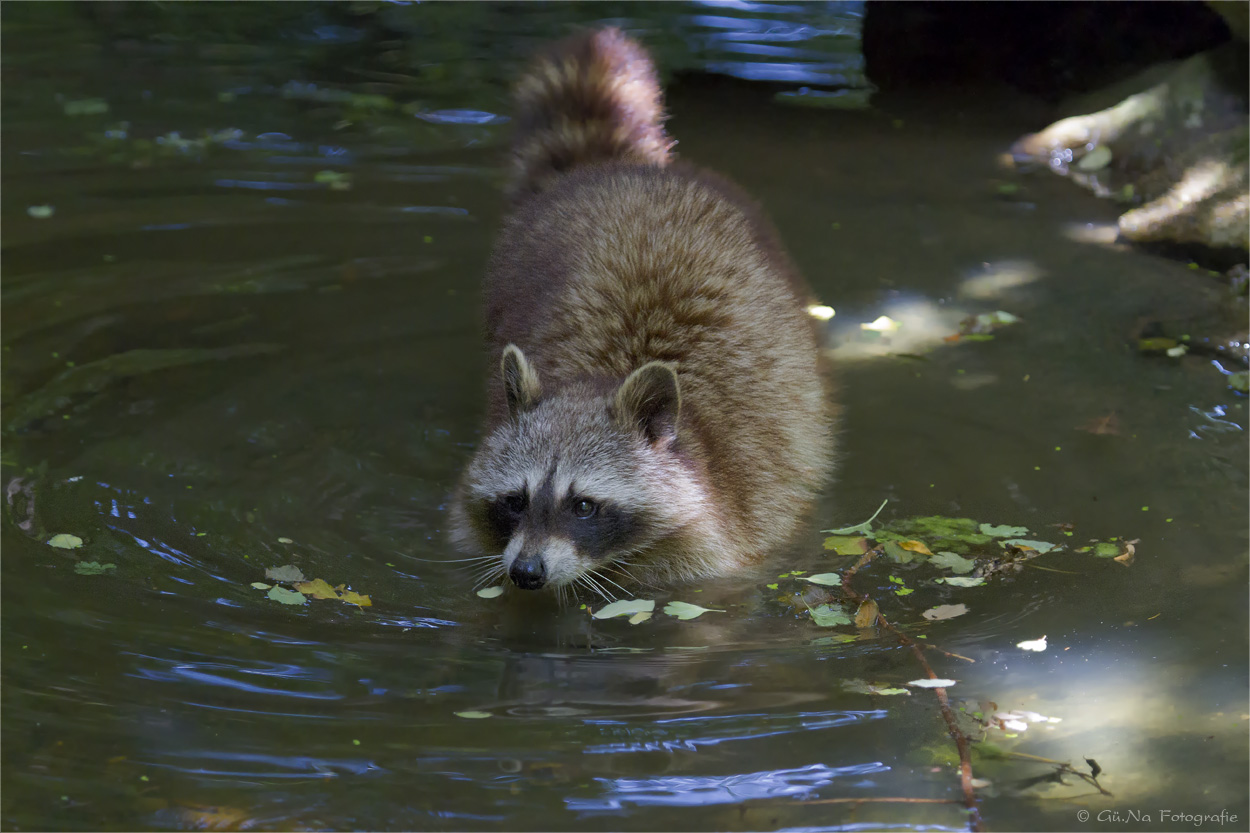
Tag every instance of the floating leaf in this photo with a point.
(260, 585)
(915, 546)
(864, 687)
(625, 607)
(40, 212)
(934, 683)
(640, 617)
(1003, 531)
(351, 597)
(955, 534)
(318, 588)
(961, 581)
(287, 573)
(867, 614)
(835, 639)
(940, 612)
(92, 568)
(1126, 557)
(1106, 549)
(682, 610)
(65, 541)
(829, 615)
(1032, 645)
(287, 597)
(827, 579)
(491, 592)
(847, 544)
(953, 562)
(285, 541)
(860, 528)
(85, 107)
(772, 586)
(1042, 547)
(471, 715)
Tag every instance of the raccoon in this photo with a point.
(661, 412)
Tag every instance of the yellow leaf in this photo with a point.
(915, 546)
(317, 588)
(866, 616)
(354, 598)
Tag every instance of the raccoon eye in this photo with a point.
(583, 508)
(515, 503)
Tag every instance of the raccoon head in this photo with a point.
(577, 479)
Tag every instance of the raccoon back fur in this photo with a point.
(660, 412)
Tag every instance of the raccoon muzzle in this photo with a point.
(528, 572)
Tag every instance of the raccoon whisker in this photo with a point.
(453, 560)
(585, 579)
(601, 575)
(598, 588)
(489, 575)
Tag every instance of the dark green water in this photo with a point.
(322, 385)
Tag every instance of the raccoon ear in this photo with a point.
(520, 380)
(650, 401)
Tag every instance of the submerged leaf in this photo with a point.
(625, 607)
(827, 579)
(682, 610)
(65, 541)
(640, 617)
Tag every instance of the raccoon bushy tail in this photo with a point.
(592, 98)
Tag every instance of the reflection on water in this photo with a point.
(253, 342)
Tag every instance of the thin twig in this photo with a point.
(952, 726)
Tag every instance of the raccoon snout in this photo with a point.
(528, 572)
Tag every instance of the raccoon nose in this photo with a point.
(528, 572)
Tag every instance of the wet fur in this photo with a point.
(652, 346)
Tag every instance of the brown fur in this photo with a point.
(619, 263)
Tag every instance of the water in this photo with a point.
(321, 383)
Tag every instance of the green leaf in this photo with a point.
(860, 528)
(772, 586)
(286, 597)
(640, 617)
(845, 544)
(1003, 531)
(1106, 549)
(827, 579)
(472, 715)
(92, 568)
(903, 591)
(961, 581)
(625, 607)
(828, 615)
(65, 541)
(1041, 546)
(953, 562)
(260, 585)
(491, 592)
(682, 610)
